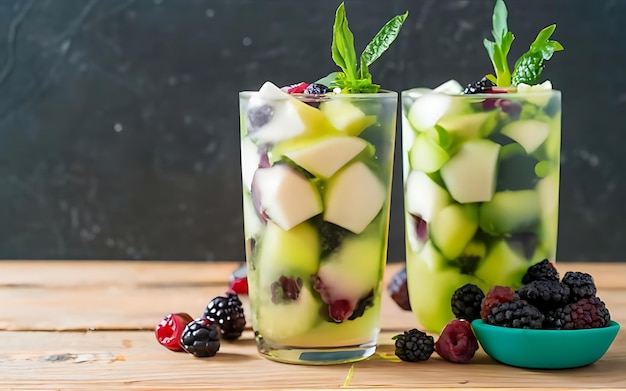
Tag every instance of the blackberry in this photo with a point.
(201, 338)
(543, 270)
(316, 89)
(466, 302)
(581, 285)
(481, 86)
(331, 237)
(227, 314)
(545, 295)
(586, 313)
(414, 345)
(516, 314)
(399, 291)
(258, 116)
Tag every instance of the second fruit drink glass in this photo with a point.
(316, 167)
(481, 177)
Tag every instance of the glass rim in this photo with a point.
(369, 95)
(417, 92)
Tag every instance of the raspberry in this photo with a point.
(466, 302)
(238, 282)
(481, 86)
(516, 314)
(497, 294)
(586, 313)
(297, 88)
(169, 331)
(457, 342)
(414, 345)
(545, 295)
(398, 290)
(581, 285)
(201, 338)
(316, 89)
(543, 270)
(227, 314)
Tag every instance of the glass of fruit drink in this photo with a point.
(481, 177)
(316, 167)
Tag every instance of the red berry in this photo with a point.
(457, 342)
(169, 331)
(340, 310)
(297, 88)
(496, 295)
(240, 286)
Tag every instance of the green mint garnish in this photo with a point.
(529, 66)
(351, 79)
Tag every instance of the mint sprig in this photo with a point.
(353, 79)
(529, 66)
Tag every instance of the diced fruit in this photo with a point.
(292, 253)
(353, 197)
(538, 94)
(470, 175)
(253, 220)
(503, 265)
(408, 137)
(424, 197)
(324, 157)
(432, 258)
(530, 134)
(510, 212)
(250, 159)
(428, 109)
(451, 87)
(471, 256)
(416, 231)
(285, 195)
(453, 228)
(170, 329)
(346, 117)
(426, 155)
(470, 126)
(516, 170)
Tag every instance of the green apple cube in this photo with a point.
(452, 229)
(432, 258)
(427, 110)
(408, 137)
(530, 134)
(470, 175)
(426, 155)
(324, 157)
(503, 266)
(286, 196)
(346, 117)
(424, 197)
(469, 126)
(510, 212)
(353, 197)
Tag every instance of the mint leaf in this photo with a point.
(529, 66)
(499, 50)
(351, 80)
(342, 46)
(328, 80)
(383, 39)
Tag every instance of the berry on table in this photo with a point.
(201, 338)
(414, 345)
(457, 342)
(496, 295)
(227, 314)
(170, 329)
(543, 270)
(581, 285)
(516, 314)
(466, 302)
(586, 313)
(399, 291)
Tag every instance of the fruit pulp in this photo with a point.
(316, 174)
(481, 185)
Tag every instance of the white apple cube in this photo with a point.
(250, 160)
(353, 197)
(286, 196)
(530, 134)
(424, 197)
(470, 175)
(323, 158)
(427, 110)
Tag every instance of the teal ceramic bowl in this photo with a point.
(544, 349)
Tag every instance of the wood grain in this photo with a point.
(88, 326)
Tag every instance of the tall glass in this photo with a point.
(481, 181)
(316, 174)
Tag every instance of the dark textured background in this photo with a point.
(119, 119)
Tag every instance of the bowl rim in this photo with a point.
(481, 324)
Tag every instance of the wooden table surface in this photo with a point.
(89, 325)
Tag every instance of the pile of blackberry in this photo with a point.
(544, 301)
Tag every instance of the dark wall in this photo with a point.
(119, 119)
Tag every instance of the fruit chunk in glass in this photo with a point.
(316, 173)
(481, 182)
